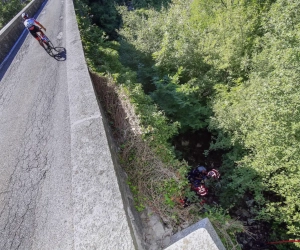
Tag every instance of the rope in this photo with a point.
(283, 241)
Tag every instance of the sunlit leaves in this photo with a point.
(263, 113)
(8, 9)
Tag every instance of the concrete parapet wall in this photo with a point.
(100, 217)
(201, 236)
(10, 33)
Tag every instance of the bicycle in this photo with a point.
(49, 45)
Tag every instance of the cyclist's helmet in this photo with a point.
(24, 15)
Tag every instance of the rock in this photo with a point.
(154, 247)
(166, 241)
(143, 216)
(250, 221)
(185, 225)
(153, 220)
(149, 238)
(158, 230)
(245, 213)
(156, 235)
(249, 203)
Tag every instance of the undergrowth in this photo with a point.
(156, 178)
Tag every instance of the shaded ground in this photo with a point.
(192, 148)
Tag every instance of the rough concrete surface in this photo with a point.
(200, 236)
(35, 171)
(100, 221)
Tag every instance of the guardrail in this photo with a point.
(11, 32)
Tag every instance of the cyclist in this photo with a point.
(33, 29)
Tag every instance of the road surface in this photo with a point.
(35, 169)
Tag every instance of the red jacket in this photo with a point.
(201, 190)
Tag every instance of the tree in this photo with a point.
(262, 115)
(8, 9)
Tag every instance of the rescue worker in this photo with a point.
(213, 174)
(200, 190)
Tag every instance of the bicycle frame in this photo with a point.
(49, 46)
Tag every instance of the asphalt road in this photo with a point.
(35, 162)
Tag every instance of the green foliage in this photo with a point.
(184, 93)
(232, 64)
(150, 3)
(156, 130)
(8, 9)
(262, 115)
(105, 16)
(244, 56)
(181, 102)
(138, 200)
(102, 57)
(226, 227)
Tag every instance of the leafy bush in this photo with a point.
(8, 9)
(155, 176)
(262, 115)
(226, 227)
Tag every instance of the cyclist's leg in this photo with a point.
(42, 33)
(35, 35)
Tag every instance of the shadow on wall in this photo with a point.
(118, 130)
(122, 122)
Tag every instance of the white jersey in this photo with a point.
(29, 23)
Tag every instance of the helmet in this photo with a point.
(213, 174)
(24, 15)
(202, 190)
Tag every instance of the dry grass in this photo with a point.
(145, 169)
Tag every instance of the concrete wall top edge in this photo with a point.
(200, 235)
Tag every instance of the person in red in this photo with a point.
(213, 174)
(201, 190)
(33, 29)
